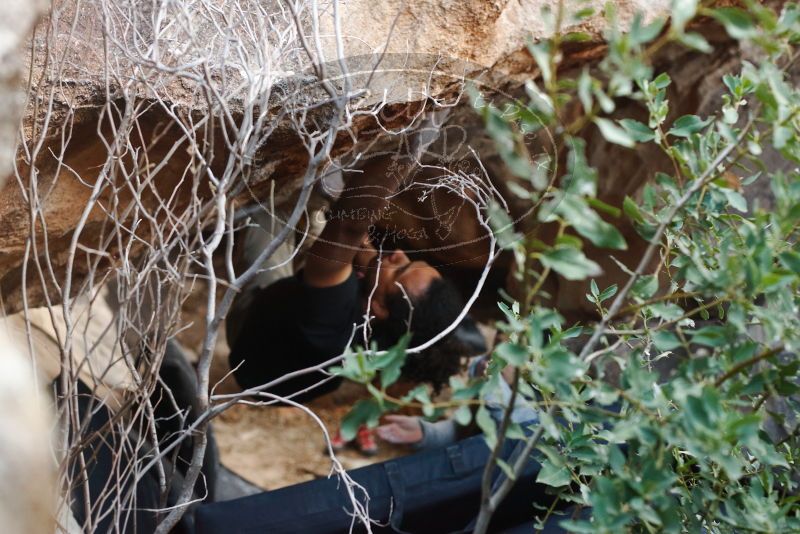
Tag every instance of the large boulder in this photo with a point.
(113, 64)
(17, 18)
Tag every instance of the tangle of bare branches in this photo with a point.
(194, 102)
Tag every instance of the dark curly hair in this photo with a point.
(433, 311)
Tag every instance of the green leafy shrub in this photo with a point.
(712, 443)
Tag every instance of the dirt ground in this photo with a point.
(274, 447)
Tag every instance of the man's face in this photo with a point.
(396, 270)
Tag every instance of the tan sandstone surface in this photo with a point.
(77, 65)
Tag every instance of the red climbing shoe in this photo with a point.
(365, 442)
(337, 442)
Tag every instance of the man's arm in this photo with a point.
(329, 261)
(420, 434)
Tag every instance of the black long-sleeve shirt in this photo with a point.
(291, 326)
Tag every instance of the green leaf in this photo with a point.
(730, 115)
(631, 209)
(585, 90)
(735, 199)
(503, 465)
(542, 170)
(781, 136)
(581, 178)
(577, 37)
(791, 260)
(599, 205)
(463, 415)
(579, 527)
(512, 353)
(616, 459)
(606, 103)
(365, 411)
(615, 134)
(502, 225)
(737, 22)
(638, 131)
(584, 13)
(666, 310)
(588, 223)
(645, 287)
(644, 34)
(519, 191)
(712, 336)
(696, 41)
(391, 363)
(665, 340)
(570, 263)
(602, 234)
(662, 81)
(541, 54)
(569, 241)
(507, 141)
(687, 125)
(608, 292)
(702, 413)
(355, 367)
(552, 475)
(734, 84)
(560, 367)
(487, 425)
(682, 12)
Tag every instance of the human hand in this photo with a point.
(401, 429)
(365, 258)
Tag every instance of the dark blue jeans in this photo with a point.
(435, 491)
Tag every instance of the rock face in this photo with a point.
(16, 21)
(115, 61)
